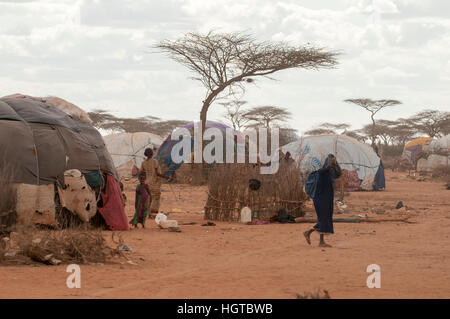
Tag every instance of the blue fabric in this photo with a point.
(324, 197)
(164, 155)
(379, 181)
(94, 179)
(311, 183)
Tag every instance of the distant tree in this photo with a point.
(329, 128)
(267, 116)
(433, 123)
(101, 119)
(356, 134)
(402, 132)
(320, 131)
(235, 113)
(287, 135)
(373, 106)
(225, 61)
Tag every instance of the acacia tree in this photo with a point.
(235, 113)
(225, 61)
(434, 123)
(329, 128)
(267, 116)
(102, 119)
(373, 106)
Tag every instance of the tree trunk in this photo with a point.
(373, 130)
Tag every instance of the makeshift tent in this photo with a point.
(436, 155)
(359, 162)
(164, 155)
(40, 142)
(127, 149)
(415, 149)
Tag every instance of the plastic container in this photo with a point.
(160, 217)
(246, 215)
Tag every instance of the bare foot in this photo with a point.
(324, 245)
(307, 236)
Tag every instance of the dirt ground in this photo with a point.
(232, 260)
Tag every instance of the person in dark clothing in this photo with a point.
(323, 200)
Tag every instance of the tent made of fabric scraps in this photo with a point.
(42, 138)
(164, 155)
(414, 150)
(357, 158)
(127, 149)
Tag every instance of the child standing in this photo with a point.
(142, 202)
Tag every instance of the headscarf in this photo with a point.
(335, 171)
(148, 152)
(313, 177)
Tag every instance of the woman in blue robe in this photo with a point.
(323, 199)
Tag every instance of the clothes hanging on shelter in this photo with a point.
(113, 210)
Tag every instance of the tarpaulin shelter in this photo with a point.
(437, 154)
(127, 149)
(40, 142)
(415, 149)
(164, 156)
(362, 168)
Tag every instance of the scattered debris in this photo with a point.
(360, 219)
(378, 210)
(341, 207)
(174, 229)
(209, 224)
(125, 248)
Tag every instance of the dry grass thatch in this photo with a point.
(228, 192)
(75, 245)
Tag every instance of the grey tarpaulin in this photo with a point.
(39, 142)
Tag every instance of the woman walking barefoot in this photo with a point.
(323, 199)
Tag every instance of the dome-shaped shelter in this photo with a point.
(437, 154)
(42, 146)
(164, 155)
(127, 149)
(415, 149)
(359, 162)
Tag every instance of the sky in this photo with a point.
(100, 54)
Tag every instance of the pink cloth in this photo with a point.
(113, 210)
(352, 181)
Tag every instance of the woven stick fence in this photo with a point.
(229, 192)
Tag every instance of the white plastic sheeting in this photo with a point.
(310, 153)
(127, 149)
(438, 155)
(440, 145)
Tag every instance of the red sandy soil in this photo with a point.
(232, 260)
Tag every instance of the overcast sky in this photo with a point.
(94, 53)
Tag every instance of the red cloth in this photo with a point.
(113, 210)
